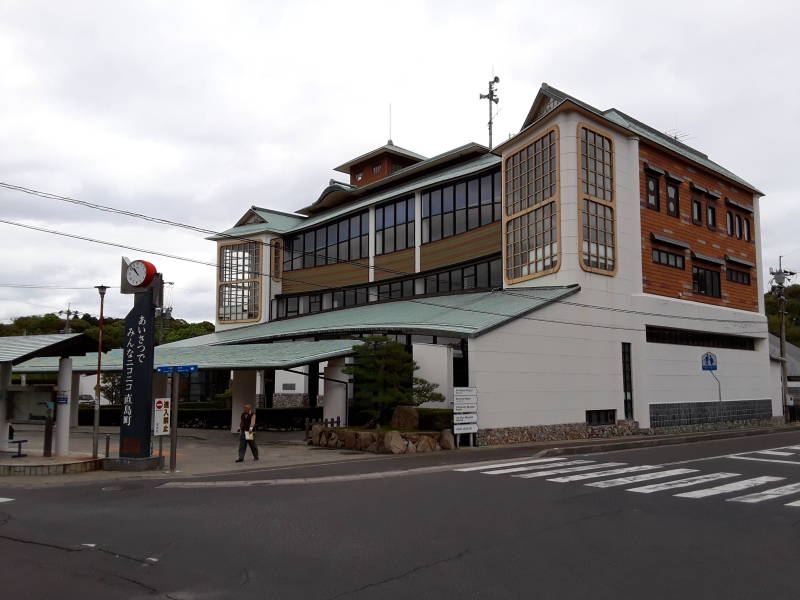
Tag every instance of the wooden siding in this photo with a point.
(459, 248)
(716, 243)
(329, 276)
(402, 261)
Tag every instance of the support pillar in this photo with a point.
(335, 393)
(243, 391)
(73, 399)
(5, 382)
(63, 394)
(313, 384)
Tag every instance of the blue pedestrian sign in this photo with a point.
(178, 369)
(709, 361)
(164, 369)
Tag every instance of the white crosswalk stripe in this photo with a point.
(527, 461)
(790, 448)
(679, 483)
(642, 477)
(6, 499)
(736, 486)
(777, 492)
(569, 470)
(582, 476)
(774, 452)
(532, 467)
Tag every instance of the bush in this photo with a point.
(435, 419)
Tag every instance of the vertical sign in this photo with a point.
(161, 416)
(137, 378)
(465, 410)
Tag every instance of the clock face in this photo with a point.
(139, 273)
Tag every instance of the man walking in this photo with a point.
(247, 425)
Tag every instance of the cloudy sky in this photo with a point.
(193, 111)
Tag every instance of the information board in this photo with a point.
(161, 416)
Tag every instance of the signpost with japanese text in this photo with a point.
(161, 416)
(465, 412)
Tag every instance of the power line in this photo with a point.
(168, 222)
(49, 287)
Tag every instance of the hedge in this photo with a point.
(214, 418)
(435, 419)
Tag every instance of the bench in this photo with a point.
(19, 443)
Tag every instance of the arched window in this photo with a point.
(729, 222)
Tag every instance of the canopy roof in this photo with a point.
(458, 315)
(19, 348)
(281, 355)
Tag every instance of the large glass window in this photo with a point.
(598, 246)
(531, 232)
(705, 282)
(342, 240)
(668, 259)
(239, 268)
(458, 207)
(394, 226)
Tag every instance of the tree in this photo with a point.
(384, 379)
(792, 294)
(111, 387)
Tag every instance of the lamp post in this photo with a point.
(101, 289)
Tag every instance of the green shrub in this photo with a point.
(435, 419)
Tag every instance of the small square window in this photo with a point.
(376, 169)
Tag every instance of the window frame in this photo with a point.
(738, 276)
(748, 235)
(711, 211)
(554, 199)
(611, 204)
(677, 187)
(668, 253)
(410, 236)
(254, 281)
(696, 288)
(655, 178)
(697, 203)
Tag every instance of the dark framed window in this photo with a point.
(705, 282)
(738, 227)
(627, 380)
(711, 217)
(532, 242)
(673, 199)
(376, 169)
(697, 212)
(685, 337)
(601, 417)
(729, 222)
(737, 276)
(668, 259)
(653, 196)
(394, 226)
(341, 240)
(596, 165)
(461, 206)
(746, 223)
(598, 235)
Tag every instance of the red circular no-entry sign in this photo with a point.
(159, 405)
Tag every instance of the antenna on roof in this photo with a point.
(390, 122)
(492, 97)
(678, 135)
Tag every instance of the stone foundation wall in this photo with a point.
(289, 400)
(382, 442)
(700, 427)
(680, 414)
(553, 433)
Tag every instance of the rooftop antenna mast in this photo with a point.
(491, 97)
(390, 122)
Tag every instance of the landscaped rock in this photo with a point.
(316, 429)
(348, 439)
(411, 448)
(447, 441)
(364, 439)
(395, 443)
(323, 437)
(426, 444)
(333, 439)
(405, 417)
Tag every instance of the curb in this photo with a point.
(83, 466)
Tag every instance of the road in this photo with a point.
(652, 523)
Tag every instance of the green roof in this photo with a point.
(280, 355)
(17, 348)
(457, 315)
(274, 222)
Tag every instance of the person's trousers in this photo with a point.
(244, 443)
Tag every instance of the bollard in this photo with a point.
(108, 444)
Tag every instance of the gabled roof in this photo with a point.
(458, 315)
(387, 148)
(270, 221)
(19, 348)
(549, 95)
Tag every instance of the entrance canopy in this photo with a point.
(280, 355)
(19, 348)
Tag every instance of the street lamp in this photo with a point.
(101, 289)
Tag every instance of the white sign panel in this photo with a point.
(161, 416)
(465, 429)
(459, 418)
(465, 391)
(465, 407)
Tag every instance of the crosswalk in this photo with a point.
(6, 500)
(686, 481)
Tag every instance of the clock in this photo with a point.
(140, 273)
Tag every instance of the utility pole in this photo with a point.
(101, 289)
(491, 97)
(68, 313)
(780, 276)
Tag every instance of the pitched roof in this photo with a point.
(464, 315)
(274, 221)
(387, 148)
(18, 348)
(636, 127)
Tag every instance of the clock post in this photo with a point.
(140, 279)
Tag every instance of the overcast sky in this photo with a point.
(194, 111)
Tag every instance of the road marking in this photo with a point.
(581, 476)
(769, 460)
(774, 453)
(777, 492)
(736, 486)
(679, 483)
(532, 467)
(642, 477)
(528, 461)
(790, 448)
(6, 499)
(569, 470)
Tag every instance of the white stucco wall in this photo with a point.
(435, 365)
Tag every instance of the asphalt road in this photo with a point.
(432, 533)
